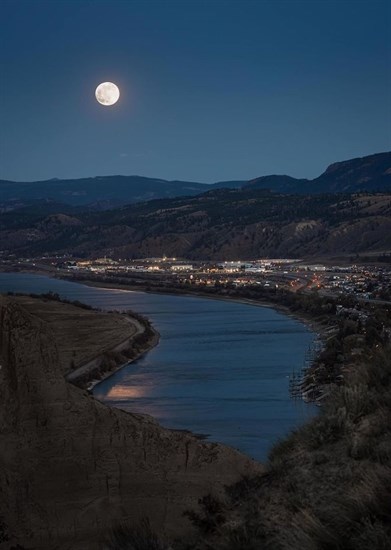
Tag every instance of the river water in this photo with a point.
(221, 368)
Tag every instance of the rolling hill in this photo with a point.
(220, 224)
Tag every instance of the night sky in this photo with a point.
(216, 90)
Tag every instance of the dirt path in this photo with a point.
(96, 361)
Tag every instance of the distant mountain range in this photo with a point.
(269, 216)
(101, 192)
(371, 173)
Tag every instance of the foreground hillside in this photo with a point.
(80, 333)
(72, 468)
(221, 224)
(327, 486)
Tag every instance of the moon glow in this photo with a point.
(107, 93)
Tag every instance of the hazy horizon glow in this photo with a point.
(210, 90)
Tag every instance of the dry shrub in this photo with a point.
(138, 537)
(371, 534)
(306, 532)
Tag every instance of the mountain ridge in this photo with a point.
(368, 173)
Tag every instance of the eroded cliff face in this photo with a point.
(71, 468)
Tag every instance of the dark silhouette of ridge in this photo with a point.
(370, 173)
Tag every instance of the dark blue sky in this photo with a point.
(210, 91)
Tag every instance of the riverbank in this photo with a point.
(101, 369)
(303, 383)
(115, 358)
(341, 339)
(92, 344)
(318, 326)
(314, 324)
(311, 381)
(323, 325)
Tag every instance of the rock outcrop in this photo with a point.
(71, 468)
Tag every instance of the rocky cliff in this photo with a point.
(71, 468)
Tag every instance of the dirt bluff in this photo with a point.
(71, 467)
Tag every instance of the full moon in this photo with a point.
(107, 93)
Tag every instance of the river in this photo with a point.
(221, 368)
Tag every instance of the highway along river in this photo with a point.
(221, 368)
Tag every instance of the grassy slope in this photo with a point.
(80, 334)
(328, 485)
